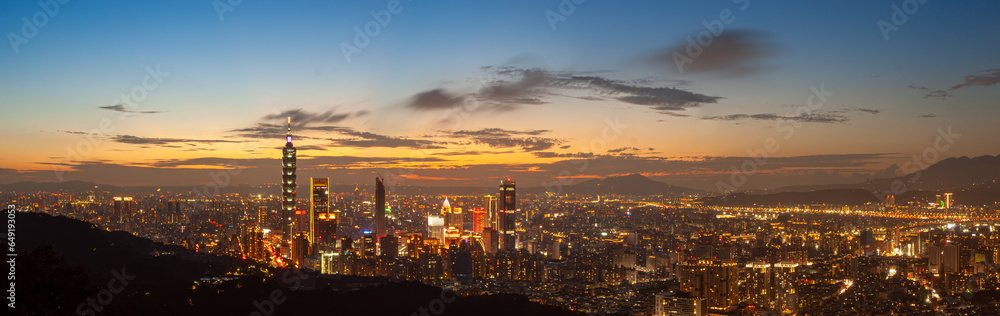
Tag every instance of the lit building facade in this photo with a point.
(507, 214)
(287, 185)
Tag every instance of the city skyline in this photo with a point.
(541, 85)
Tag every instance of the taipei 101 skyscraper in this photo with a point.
(287, 187)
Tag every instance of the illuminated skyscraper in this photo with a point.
(287, 185)
(367, 244)
(319, 204)
(123, 210)
(491, 211)
(758, 284)
(435, 227)
(379, 208)
(478, 220)
(783, 285)
(452, 216)
(714, 280)
(507, 212)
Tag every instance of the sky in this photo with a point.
(706, 94)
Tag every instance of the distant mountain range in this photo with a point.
(953, 174)
(633, 184)
(974, 181)
(961, 174)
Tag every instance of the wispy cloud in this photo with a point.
(805, 117)
(512, 87)
(166, 142)
(732, 53)
(301, 118)
(528, 140)
(982, 79)
(125, 109)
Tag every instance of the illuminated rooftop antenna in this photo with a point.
(288, 136)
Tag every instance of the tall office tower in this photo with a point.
(949, 259)
(435, 227)
(867, 242)
(507, 211)
(671, 304)
(123, 209)
(490, 240)
(326, 232)
(947, 200)
(262, 219)
(478, 220)
(934, 259)
(319, 203)
(379, 208)
(299, 249)
(786, 301)
(287, 186)
(714, 280)
(368, 244)
(491, 212)
(452, 216)
(758, 284)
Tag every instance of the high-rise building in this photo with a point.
(435, 227)
(714, 280)
(491, 212)
(758, 284)
(319, 203)
(507, 212)
(934, 259)
(783, 287)
(452, 216)
(491, 240)
(123, 210)
(867, 240)
(949, 258)
(947, 200)
(326, 232)
(478, 220)
(671, 304)
(368, 244)
(379, 208)
(287, 186)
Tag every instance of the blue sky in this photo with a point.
(270, 57)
